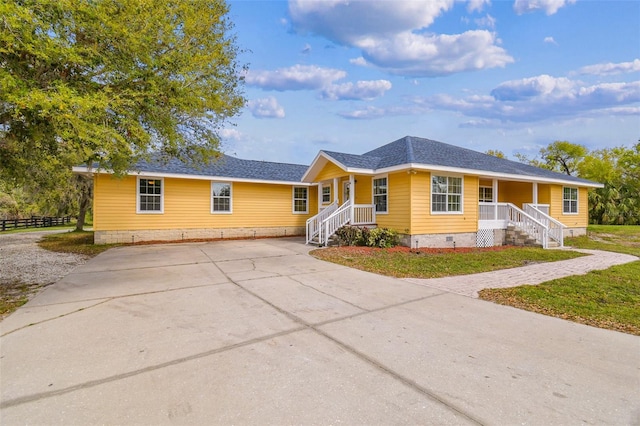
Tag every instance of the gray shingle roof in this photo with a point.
(229, 167)
(414, 150)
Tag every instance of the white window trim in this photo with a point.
(230, 197)
(373, 192)
(322, 194)
(293, 200)
(138, 211)
(485, 187)
(577, 201)
(461, 194)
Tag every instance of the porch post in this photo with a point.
(336, 194)
(535, 193)
(319, 196)
(494, 198)
(352, 193)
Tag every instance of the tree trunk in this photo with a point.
(85, 189)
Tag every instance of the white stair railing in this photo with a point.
(556, 228)
(330, 225)
(314, 224)
(528, 224)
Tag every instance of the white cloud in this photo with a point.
(476, 5)
(362, 90)
(266, 108)
(389, 35)
(611, 68)
(550, 40)
(297, 77)
(423, 55)
(543, 97)
(527, 100)
(486, 21)
(346, 22)
(549, 6)
(231, 135)
(306, 49)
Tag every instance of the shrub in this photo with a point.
(376, 237)
(349, 236)
(382, 238)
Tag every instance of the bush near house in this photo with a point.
(375, 237)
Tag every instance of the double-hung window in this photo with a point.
(569, 200)
(221, 197)
(300, 200)
(150, 195)
(446, 194)
(380, 194)
(326, 194)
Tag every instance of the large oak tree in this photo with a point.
(107, 82)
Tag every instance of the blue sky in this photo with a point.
(350, 76)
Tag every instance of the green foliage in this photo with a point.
(495, 153)
(350, 236)
(106, 83)
(381, 238)
(618, 203)
(376, 237)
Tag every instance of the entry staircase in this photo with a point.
(531, 226)
(321, 227)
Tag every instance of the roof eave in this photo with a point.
(486, 173)
(86, 170)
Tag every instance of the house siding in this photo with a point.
(518, 193)
(329, 171)
(398, 217)
(580, 220)
(424, 222)
(187, 205)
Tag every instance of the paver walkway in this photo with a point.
(470, 285)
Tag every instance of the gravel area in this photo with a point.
(21, 259)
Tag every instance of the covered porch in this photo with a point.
(504, 204)
(344, 200)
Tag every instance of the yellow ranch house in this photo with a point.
(433, 194)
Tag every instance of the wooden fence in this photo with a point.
(33, 222)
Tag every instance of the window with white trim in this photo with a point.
(446, 194)
(569, 200)
(150, 195)
(380, 193)
(326, 194)
(486, 194)
(300, 200)
(221, 197)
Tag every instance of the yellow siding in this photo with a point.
(424, 222)
(580, 220)
(364, 189)
(398, 217)
(330, 171)
(544, 194)
(187, 205)
(518, 193)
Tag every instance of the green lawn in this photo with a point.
(401, 262)
(606, 299)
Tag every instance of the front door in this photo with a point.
(346, 191)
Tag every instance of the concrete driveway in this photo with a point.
(258, 332)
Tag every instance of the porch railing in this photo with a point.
(363, 214)
(330, 225)
(323, 225)
(499, 215)
(555, 228)
(314, 224)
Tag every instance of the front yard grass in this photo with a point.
(607, 299)
(78, 242)
(401, 262)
